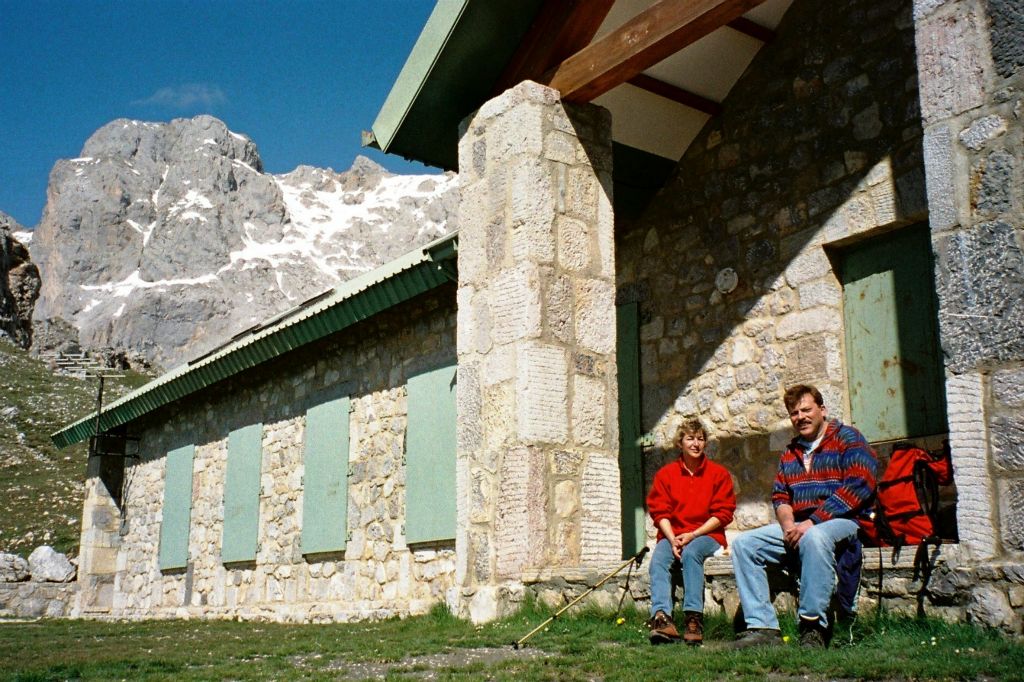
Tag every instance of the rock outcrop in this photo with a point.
(167, 239)
(13, 568)
(19, 284)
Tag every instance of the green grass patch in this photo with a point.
(586, 645)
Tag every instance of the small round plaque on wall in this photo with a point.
(726, 280)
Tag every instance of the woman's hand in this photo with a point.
(678, 543)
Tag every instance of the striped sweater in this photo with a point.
(841, 480)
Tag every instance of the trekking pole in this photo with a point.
(637, 559)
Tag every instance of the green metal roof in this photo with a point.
(351, 302)
(450, 72)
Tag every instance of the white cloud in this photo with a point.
(185, 95)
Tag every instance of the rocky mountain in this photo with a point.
(167, 238)
(19, 283)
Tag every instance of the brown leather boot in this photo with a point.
(693, 628)
(663, 629)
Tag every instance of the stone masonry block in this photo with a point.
(526, 92)
(574, 244)
(605, 232)
(601, 524)
(518, 132)
(531, 213)
(1006, 27)
(595, 312)
(883, 201)
(813, 321)
(542, 400)
(1012, 514)
(940, 172)
(520, 524)
(982, 131)
(809, 265)
(981, 295)
(468, 401)
(1008, 442)
(968, 439)
(559, 309)
(464, 329)
(1008, 387)
(951, 63)
(824, 292)
(581, 193)
(589, 407)
(923, 8)
(515, 304)
(499, 365)
(560, 146)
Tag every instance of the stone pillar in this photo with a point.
(101, 538)
(537, 467)
(970, 75)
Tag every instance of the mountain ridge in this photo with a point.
(165, 238)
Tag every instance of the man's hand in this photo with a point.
(792, 535)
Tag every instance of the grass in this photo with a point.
(584, 646)
(41, 486)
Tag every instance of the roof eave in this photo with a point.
(393, 283)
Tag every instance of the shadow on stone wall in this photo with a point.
(818, 143)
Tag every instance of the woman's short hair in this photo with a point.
(690, 427)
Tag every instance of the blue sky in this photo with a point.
(302, 78)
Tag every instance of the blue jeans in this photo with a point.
(663, 562)
(757, 548)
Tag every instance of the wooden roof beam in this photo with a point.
(656, 33)
(560, 29)
(676, 94)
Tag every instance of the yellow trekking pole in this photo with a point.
(637, 559)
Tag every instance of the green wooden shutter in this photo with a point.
(325, 483)
(177, 510)
(631, 481)
(893, 356)
(242, 494)
(430, 457)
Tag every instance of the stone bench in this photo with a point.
(943, 597)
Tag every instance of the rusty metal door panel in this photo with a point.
(894, 363)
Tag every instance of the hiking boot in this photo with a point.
(757, 637)
(812, 635)
(693, 628)
(663, 629)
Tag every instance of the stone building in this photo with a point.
(667, 210)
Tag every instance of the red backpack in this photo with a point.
(908, 497)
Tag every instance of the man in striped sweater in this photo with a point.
(824, 484)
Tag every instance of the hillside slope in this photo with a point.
(41, 487)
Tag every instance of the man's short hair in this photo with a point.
(793, 395)
(690, 427)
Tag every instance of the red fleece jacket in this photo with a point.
(688, 500)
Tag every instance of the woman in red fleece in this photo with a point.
(691, 502)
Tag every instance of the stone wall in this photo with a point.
(378, 575)
(818, 145)
(970, 59)
(34, 599)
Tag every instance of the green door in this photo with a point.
(430, 501)
(630, 470)
(892, 340)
